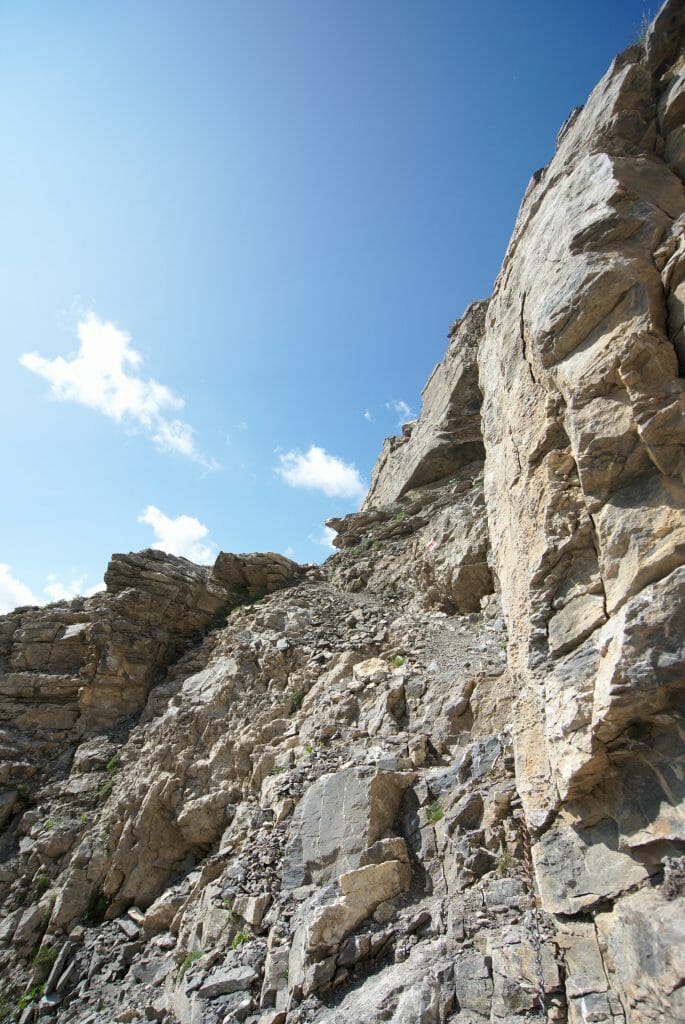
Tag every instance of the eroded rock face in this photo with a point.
(440, 777)
(447, 435)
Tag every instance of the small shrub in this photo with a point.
(49, 823)
(277, 770)
(504, 856)
(435, 812)
(113, 765)
(296, 698)
(84, 818)
(45, 958)
(39, 885)
(189, 960)
(397, 661)
(105, 790)
(239, 939)
(32, 996)
(309, 748)
(400, 517)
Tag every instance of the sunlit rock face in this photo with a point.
(439, 778)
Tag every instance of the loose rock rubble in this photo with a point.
(439, 778)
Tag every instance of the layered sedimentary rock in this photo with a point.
(440, 777)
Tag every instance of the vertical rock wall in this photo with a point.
(581, 369)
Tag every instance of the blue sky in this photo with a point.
(235, 235)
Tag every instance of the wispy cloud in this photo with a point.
(57, 590)
(317, 470)
(184, 535)
(368, 417)
(403, 410)
(104, 375)
(324, 539)
(13, 592)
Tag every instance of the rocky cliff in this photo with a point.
(441, 777)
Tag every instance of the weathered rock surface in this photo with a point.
(441, 777)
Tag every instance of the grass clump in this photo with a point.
(105, 790)
(45, 958)
(32, 996)
(435, 813)
(296, 698)
(397, 660)
(239, 939)
(113, 765)
(39, 885)
(504, 856)
(188, 961)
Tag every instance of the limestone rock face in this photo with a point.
(439, 778)
(447, 434)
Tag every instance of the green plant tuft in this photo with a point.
(504, 857)
(435, 812)
(105, 790)
(45, 957)
(397, 660)
(189, 959)
(113, 764)
(32, 996)
(239, 939)
(296, 698)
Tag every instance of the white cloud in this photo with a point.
(325, 538)
(317, 470)
(13, 592)
(103, 376)
(368, 417)
(184, 535)
(56, 590)
(403, 410)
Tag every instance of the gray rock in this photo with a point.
(221, 982)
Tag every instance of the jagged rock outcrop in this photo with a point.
(440, 777)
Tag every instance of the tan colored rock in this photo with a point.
(447, 434)
(339, 817)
